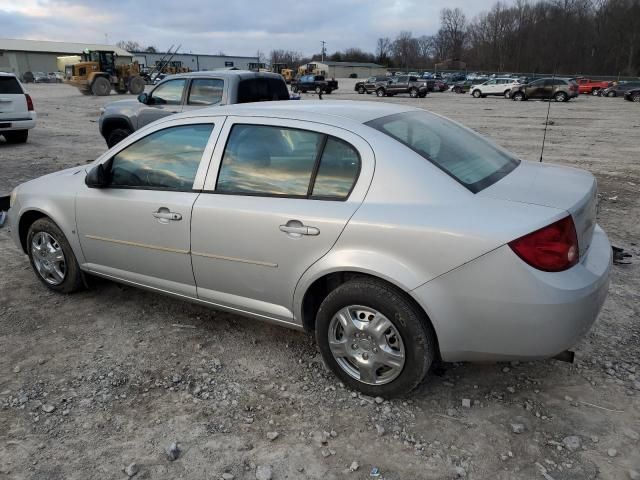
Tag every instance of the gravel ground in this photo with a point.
(100, 384)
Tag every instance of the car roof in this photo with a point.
(7, 74)
(310, 110)
(242, 74)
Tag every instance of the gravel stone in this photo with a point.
(517, 428)
(572, 442)
(131, 469)
(466, 403)
(172, 451)
(48, 408)
(612, 452)
(272, 435)
(264, 472)
(354, 466)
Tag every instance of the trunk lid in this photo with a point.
(13, 103)
(565, 188)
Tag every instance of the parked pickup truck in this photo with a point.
(188, 91)
(313, 83)
(592, 87)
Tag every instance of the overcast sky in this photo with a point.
(235, 27)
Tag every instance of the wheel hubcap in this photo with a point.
(48, 258)
(366, 345)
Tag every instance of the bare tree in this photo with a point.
(454, 24)
(130, 45)
(383, 50)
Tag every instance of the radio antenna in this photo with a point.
(546, 122)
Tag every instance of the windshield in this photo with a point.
(464, 155)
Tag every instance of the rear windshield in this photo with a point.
(9, 85)
(262, 90)
(464, 155)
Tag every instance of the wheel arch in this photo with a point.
(24, 223)
(109, 124)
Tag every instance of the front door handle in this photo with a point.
(296, 228)
(164, 215)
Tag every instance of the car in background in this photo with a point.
(414, 86)
(313, 83)
(496, 86)
(619, 88)
(592, 87)
(317, 216)
(440, 86)
(368, 85)
(40, 77)
(17, 115)
(556, 88)
(632, 95)
(462, 86)
(188, 91)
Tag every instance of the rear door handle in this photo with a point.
(164, 215)
(297, 228)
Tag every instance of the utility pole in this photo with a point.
(323, 49)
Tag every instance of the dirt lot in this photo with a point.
(92, 382)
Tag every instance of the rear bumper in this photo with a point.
(499, 308)
(22, 122)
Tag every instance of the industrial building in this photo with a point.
(346, 69)
(195, 62)
(20, 56)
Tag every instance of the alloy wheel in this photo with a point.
(48, 258)
(366, 345)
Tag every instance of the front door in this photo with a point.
(277, 197)
(536, 89)
(138, 227)
(164, 100)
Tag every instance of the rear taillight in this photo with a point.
(553, 248)
(29, 102)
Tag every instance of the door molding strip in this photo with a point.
(234, 259)
(137, 244)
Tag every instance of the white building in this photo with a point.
(195, 61)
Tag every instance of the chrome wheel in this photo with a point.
(48, 258)
(366, 345)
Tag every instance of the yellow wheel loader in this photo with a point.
(97, 73)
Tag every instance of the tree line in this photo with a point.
(563, 36)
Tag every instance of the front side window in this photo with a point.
(169, 93)
(537, 83)
(281, 161)
(467, 157)
(167, 159)
(205, 91)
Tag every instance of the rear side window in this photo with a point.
(467, 157)
(167, 159)
(10, 85)
(262, 90)
(205, 91)
(280, 161)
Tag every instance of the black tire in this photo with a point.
(611, 94)
(294, 89)
(507, 94)
(16, 136)
(73, 276)
(518, 97)
(361, 90)
(422, 95)
(136, 85)
(318, 90)
(457, 90)
(413, 92)
(636, 98)
(595, 92)
(560, 97)
(477, 94)
(380, 92)
(101, 87)
(117, 135)
(411, 323)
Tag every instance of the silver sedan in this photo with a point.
(397, 236)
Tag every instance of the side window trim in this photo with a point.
(182, 95)
(185, 99)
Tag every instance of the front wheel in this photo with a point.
(294, 89)
(318, 90)
(413, 93)
(374, 338)
(595, 92)
(518, 96)
(477, 93)
(636, 98)
(52, 258)
(380, 92)
(507, 94)
(611, 94)
(101, 87)
(136, 85)
(117, 135)
(361, 90)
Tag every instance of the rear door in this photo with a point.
(277, 196)
(204, 92)
(13, 103)
(536, 89)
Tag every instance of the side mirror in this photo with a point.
(100, 175)
(143, 98)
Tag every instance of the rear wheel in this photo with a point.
(380, 92)
(52, 258)
(117, 135)
(16, 136)
(294, 89)
(561, 97)
(477, 93)
(374, 338)
(413, 92)
(595, 92)
(361, 90)
(101, 87)
(518, 96)
(318, 90)
(636, 98)
(136, 85)
(611, 94)
(507, 93)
